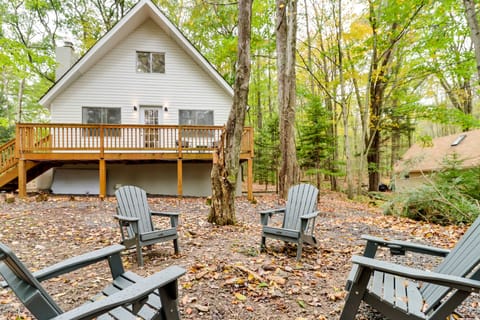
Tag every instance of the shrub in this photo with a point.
(450, 196)
(432, 204)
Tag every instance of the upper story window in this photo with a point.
(196, 117)
(150, 62)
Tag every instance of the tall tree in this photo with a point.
(286, 32)
(226, 167)
(344, 105)
(472, 20)
(389, 26)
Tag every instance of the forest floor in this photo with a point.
(227, 277)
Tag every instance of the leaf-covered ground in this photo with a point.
(227, 277)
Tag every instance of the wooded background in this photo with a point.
(372, 76)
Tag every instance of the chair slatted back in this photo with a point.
(26, 287)
(302, 199)
(461, 261)
(132, 202)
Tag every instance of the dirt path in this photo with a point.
(227, 277)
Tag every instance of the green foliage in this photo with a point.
(212, 28)
(425, 141)
(436, 204)
(450, 197)
(315, 146)
(466, 181)
(266, 151)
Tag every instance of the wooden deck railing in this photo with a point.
(37, 143)
(7, 156)
(84, 138)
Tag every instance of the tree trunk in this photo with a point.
(21, 86)
(395, 152)
(345, 109)
(472, 20)
(226, 164)
(286, 51)
(309, 47)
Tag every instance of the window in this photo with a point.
(150, 62)
(97, 115)
(196, 117)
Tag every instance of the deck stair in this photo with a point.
(9, 167)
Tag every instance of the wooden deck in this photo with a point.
(37, 143)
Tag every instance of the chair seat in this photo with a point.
(398, 292)
(281, 233)
(125, 280)
(159, 234)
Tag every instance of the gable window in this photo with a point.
(101, 115)
(150, 62)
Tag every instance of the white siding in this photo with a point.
(154, 178)
(86, 181)
(162, 178)
(114, 82)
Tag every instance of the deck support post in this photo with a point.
(180, 177)
(103, 178)
(250, 179)
(22, 178)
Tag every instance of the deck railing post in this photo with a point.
(22, 178)
(18, 145)
(102, 142)
(180, 141)
(102, 165)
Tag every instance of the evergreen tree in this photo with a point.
(315, 145)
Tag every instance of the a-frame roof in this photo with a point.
(142, 11)
(428, 158)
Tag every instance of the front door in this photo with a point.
(151, 116)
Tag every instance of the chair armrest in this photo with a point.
(125, 221)
(398, 247)
(164, 214)
(132, 294)
(310, 215)
(125, 218)
(273, 211)
(265, 214)
(173, 216)
(460, 283)
(78, 262)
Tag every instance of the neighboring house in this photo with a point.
(141, 107)
(422, 159)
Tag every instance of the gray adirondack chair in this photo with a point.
(134, 215)
(298, 218)
(129, 296)
(394, 290)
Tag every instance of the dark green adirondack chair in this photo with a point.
(394, 289)
(129, 296)
(134, 215)
(298, 218)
